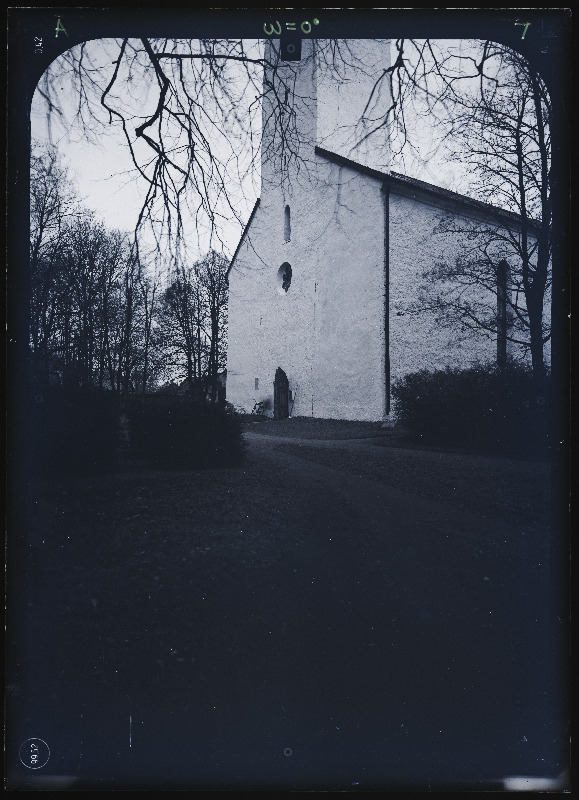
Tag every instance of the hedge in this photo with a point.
(179, 433)
(483, 407)
(71, 432)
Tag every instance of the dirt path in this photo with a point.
(509, 490)
(292, 624)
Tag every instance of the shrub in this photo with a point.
(235, 410)
(178, 433)
(483, 407)
(261, 407)
(73, 432)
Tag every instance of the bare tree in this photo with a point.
(189, 111)
(87, 302)
(52, 205)
(211, 274)
(151, 355)
(182, 327)
(193, 320)
(91, 304)
(493, 113)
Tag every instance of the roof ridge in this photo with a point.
(397, 177)
(242, 237)
(423, 185)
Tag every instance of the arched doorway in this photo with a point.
(280, 395)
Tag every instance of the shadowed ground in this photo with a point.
(336, 614)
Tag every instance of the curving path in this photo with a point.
(335, 615)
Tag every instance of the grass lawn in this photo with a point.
(247, 599)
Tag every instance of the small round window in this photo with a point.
(284, 278)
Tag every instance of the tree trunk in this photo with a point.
(537, 358)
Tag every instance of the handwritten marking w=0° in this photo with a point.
(275, 27)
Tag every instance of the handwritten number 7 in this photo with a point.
(526, 24)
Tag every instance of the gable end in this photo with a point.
(245, 230)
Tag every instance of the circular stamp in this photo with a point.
(288, 751)
(34, 753)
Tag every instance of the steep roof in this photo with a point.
(397, 181)
(241, 240)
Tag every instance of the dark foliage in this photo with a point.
(175, 432)
(71, 432)
(484, 408)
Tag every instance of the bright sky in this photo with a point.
(104, 172)
(101, 168)
(101, 164)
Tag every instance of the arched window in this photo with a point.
(287, 230)
(284, 278)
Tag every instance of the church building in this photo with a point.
(329, 264)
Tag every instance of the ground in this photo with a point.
(344, 611)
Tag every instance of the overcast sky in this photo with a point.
(105, 175)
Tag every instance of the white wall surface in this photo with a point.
(327, 331)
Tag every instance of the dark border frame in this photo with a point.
(546, 43)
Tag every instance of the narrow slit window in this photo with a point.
(257, 383)
(287, 231)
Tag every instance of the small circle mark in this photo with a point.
(288, 751)
(34, 753)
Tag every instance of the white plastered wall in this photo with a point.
(327, 331)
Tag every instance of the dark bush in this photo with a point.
(72, 432)
(178, 433)
(484, 408)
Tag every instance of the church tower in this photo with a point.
(306, 284)
(353, 90)
(334, 97)
(289, 118)
(322, 284)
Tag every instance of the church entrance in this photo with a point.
(280, 395)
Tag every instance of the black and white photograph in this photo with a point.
(287, 387)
